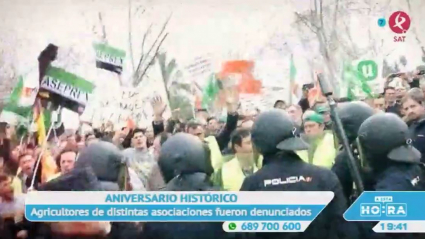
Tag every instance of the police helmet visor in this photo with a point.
(293, 144)
(405, 153)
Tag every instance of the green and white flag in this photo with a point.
(362, 78)
(67, 89)
(370, 71)
(357, 85)
(109, 58)
(18, 109)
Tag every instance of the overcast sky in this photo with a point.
(260, 30)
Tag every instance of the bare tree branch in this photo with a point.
(104, 37)
(335, 20)
(153, 45)
(322, 26)
(138, 9)
(413, 28)
(130, 42)
(142, 55)
(305, 21)
(8, 76)
(145, 37)
(140, 78)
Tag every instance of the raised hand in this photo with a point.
(158, 107)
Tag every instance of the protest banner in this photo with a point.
(109, 58)
(200, 67)
(66, 89)
(120, 105)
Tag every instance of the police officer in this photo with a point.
(186, 166)
(384, 144)
(273, 136)
(352, 115)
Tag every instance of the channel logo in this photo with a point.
(399, 23)
(370, 210)
(386, 208)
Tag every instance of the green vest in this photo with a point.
(325, 153)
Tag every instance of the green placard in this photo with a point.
(368, 69)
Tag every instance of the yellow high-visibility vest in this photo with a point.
(216, 156)
(232, 175)
(325, 152)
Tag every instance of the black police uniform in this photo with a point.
(273, 136)
(352, 115)
(186, 166)
(385, 143)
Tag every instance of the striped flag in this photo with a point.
(17, 110)
(109, 58)
(66, 89)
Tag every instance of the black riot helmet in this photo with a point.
(184, 154)
(107, 162)
(274, 131)
(385, 136)
(352, 115)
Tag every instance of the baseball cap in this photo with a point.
(315, 117)
(322, 109)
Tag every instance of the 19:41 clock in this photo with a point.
(394, 226)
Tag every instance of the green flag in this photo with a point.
(355, 79)
(109, 58)
(66, 89)
(292, 70)
(292, 75)
(348, 78)
(210, 91)
(15, 113)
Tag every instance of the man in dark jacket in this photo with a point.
(273, 136)
(186, 166)
(392, 106)
(415, 118)
(385, 145)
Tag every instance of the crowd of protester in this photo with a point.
(231, 151)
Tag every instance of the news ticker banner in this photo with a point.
(396, 212)
(283, 211)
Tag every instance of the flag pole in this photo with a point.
(291, 78)
(43, 149)
(21, 141)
